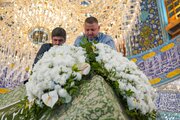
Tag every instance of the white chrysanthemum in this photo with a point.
(63, 93)
(30, 95)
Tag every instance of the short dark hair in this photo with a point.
(58, 31)
(91, 20)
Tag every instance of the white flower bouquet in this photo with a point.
(58, 68)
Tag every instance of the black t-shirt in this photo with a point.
(45, 47)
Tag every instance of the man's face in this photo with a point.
(58, 40)
(91, 30)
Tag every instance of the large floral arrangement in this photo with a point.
(56, 77)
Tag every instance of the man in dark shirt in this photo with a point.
(58, 38)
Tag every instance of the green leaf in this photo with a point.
(75, 68)
(73, 90)
(128, 93)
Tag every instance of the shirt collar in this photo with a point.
(97, 38)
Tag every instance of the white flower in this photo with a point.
(50, 98)
(63, 93)
(63, 79)
(57, 87)
(131, 103)
(37, 91)
(77, 75)
(30, 95)
(81, 59)
(84, 68)
(108, 66)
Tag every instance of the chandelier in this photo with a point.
(21, 18)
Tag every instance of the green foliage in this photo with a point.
(75, 68)
(129, 93)
(23, 112)
(88, 46)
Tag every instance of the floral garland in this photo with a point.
(132, 83)
(56, 77)
(126, 79)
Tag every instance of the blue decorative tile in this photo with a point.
(168, 101)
